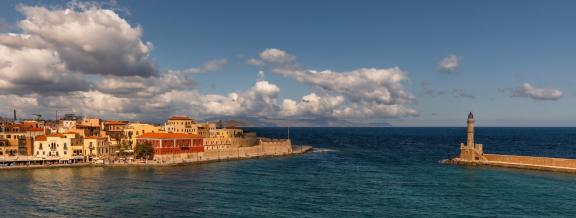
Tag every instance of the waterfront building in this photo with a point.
(6, 149)
(172, 143)
(96, 147)
(26, 145)
(77, 145)
(181, 124)
(20, 138)
(220, 139)
(54, 145)
(133, 130)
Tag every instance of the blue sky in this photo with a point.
(501, 45)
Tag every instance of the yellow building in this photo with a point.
(95, 147)
(206, 130)
(181, 124)
(134, 130)
(219, 139)
(6, 149)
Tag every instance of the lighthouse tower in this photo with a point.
(471, 151)
(470, 130)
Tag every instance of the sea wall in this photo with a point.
(192, 158)
(529, 160)
(263, 150)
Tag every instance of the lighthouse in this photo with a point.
(471, 151)
(470, 130)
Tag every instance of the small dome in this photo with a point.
(470, 116)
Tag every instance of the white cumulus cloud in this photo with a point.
(450, 64)
(359, 93)
(536, 93)
(90, 39)
(275, 56)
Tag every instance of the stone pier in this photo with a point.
(473, 154)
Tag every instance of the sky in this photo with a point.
(407, 63)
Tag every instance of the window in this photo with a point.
(40, 146)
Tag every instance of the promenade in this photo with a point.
(253, 152)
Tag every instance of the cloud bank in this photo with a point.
(360, 94)
(88, 59)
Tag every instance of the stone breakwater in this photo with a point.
(231, 154)
(520, 162)
(473, 154)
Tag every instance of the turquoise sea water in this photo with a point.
(356, 172)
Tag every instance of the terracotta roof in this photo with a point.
(179, 118)
(168, 136)
(36, 129)
(40, 138)
(114, 122)
(44, 137)
(29, 125)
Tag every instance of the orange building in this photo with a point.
(114, 129)
(172, 143)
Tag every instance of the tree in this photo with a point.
(144, 150)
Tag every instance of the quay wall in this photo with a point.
(529, 160)
(270, 149)
(177, 159)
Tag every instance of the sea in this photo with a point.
(353, 172)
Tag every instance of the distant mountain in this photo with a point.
(252, 121)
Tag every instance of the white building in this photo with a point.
(57, 147)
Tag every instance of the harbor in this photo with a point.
(90, 141)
